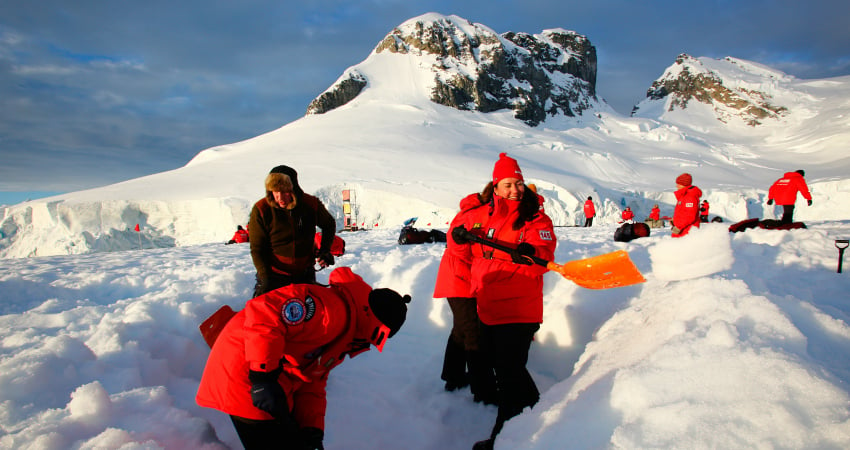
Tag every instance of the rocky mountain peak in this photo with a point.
(535, 76)
(729, 94)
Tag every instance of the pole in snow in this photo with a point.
(841, 244)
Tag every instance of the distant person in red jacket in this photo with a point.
(703, 211)
(240, 236)
(269, 367)
(628, 215)
(589, 212)
(686, 214)
(784, 192)
(655, 213)
(463, 362)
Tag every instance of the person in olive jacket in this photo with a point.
(283, 228)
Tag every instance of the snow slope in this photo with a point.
(735, 341)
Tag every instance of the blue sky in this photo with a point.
(96, 92)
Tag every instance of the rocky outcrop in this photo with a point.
(343, 91)
(536, 76)
(688, 79)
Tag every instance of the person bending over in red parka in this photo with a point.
(784, 191)
(686, 214)
(269, 366)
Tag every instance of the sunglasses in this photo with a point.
(379, 336)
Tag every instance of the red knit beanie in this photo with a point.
(684, 179)
(506, 167)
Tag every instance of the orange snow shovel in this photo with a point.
(609, 270)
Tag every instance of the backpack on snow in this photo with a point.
(631, 231)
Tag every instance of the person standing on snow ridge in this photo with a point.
(269, 367)
(589, 211)
(508, 286)
(686, 214)
(703, 212)
(628, 215)
(463, 362)
(282, 229)
(784, 191)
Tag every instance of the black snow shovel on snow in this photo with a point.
(609, 270)
(841, 244)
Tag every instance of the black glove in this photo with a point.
(261, 287)
(810, 203)
(522, 250)
(268, 395)
(326, 259)
(770, 201)
(459, 235)
(311, 438)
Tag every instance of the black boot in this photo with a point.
(482, 379)
(454, 366)
(486, 444)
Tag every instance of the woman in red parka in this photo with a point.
(686, 214)
(463, 362)
(269, 366)
(508, 287)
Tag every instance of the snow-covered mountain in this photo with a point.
(536, 76)
(405, 153)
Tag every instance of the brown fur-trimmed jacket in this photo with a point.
(282, 239)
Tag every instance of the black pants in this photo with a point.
(787, 213)
(507, 347)
(277, 281)
(588, 222)
(266, 434)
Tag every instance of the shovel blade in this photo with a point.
(610, 270)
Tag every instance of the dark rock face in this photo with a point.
(343, 92)
(477, 70)
(692, 82)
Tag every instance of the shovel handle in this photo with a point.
(509, 250)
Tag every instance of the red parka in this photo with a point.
(307, 328)
(655, 214)
(453, 274)
(589, 209)
(686, 214)
(628, 214)
(240, 236)
(509, 292)
(784, 190)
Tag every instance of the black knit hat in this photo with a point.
(389, 307)
(801, 172)
(292, 174)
